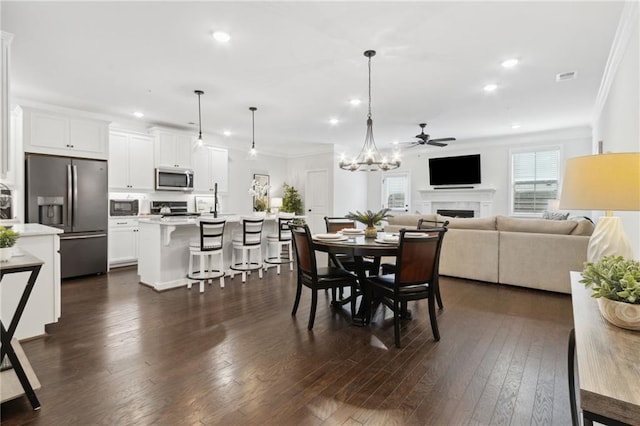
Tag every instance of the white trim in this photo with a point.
(628, 18)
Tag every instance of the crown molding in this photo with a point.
(628, 19)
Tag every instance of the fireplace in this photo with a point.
(477, 200)
(456, 213)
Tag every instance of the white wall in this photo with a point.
(617, 123)
(494, 158)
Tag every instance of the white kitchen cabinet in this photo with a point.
(123, 241)
(54, 133)
(130, 161)
(172, 149)
(210, 165)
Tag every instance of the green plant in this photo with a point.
(614, 278)
(8, 237)
(291, 201)
(369, 218)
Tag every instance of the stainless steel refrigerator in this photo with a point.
(71, 194)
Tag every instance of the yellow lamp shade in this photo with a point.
(602, 182)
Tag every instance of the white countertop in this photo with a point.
(33, 229)
(179, 220)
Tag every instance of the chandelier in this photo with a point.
(369, 159)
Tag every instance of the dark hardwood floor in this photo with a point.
(123, 354)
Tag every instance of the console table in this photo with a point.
(608, 359)
(10, 347)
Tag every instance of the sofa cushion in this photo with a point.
(409, 219)
(537, 226)
(481, 223)
(584, 227)
(555, 215)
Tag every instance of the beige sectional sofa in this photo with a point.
(534, 253)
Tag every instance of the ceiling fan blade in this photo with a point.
(443, 140)
(434, 143)
(409, 143)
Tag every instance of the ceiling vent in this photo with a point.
(565, 76)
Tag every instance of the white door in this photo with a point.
(316, 199)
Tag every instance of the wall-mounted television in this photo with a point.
(460, 170)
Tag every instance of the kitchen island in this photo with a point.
(44, 303)
(163, 259)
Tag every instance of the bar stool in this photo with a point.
(276, 243)
(249, 240)
(209, 245)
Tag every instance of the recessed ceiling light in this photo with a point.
(490, 87)
(515, 126)
(138, 114)
(510, 63)
(334, 121)
(395, 142)
(221, 36)
(227, 133)
(355, 102)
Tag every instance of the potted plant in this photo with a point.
(291, 201)
(8, 238)
(370, 219)
(615, 282)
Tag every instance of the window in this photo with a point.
(396, 192)
(534, 180)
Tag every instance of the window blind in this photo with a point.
(535, 180)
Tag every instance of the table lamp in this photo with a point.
(276, 204)
(604, 182)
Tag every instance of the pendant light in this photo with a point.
(199, 142)
(253, 151)
(369, 159)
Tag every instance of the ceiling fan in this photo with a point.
(424, 139)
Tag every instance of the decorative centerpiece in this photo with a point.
(370, 219)
(615, 282)
(8, 238)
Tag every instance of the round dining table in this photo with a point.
(359, 247)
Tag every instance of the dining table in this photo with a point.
(359, 247)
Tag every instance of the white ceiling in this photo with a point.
(301, 62)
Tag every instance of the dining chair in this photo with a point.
(205, 248)
(317, 278)
(336, 224)
(415, 278)
(424, 225)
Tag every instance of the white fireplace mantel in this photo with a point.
(480, 200)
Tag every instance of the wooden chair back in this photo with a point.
(426, 223)
(335, 224)
(418, 256)
(305, 252)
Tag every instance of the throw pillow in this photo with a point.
(555, 215)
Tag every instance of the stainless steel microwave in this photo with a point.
(123, 207)
(174, 179)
